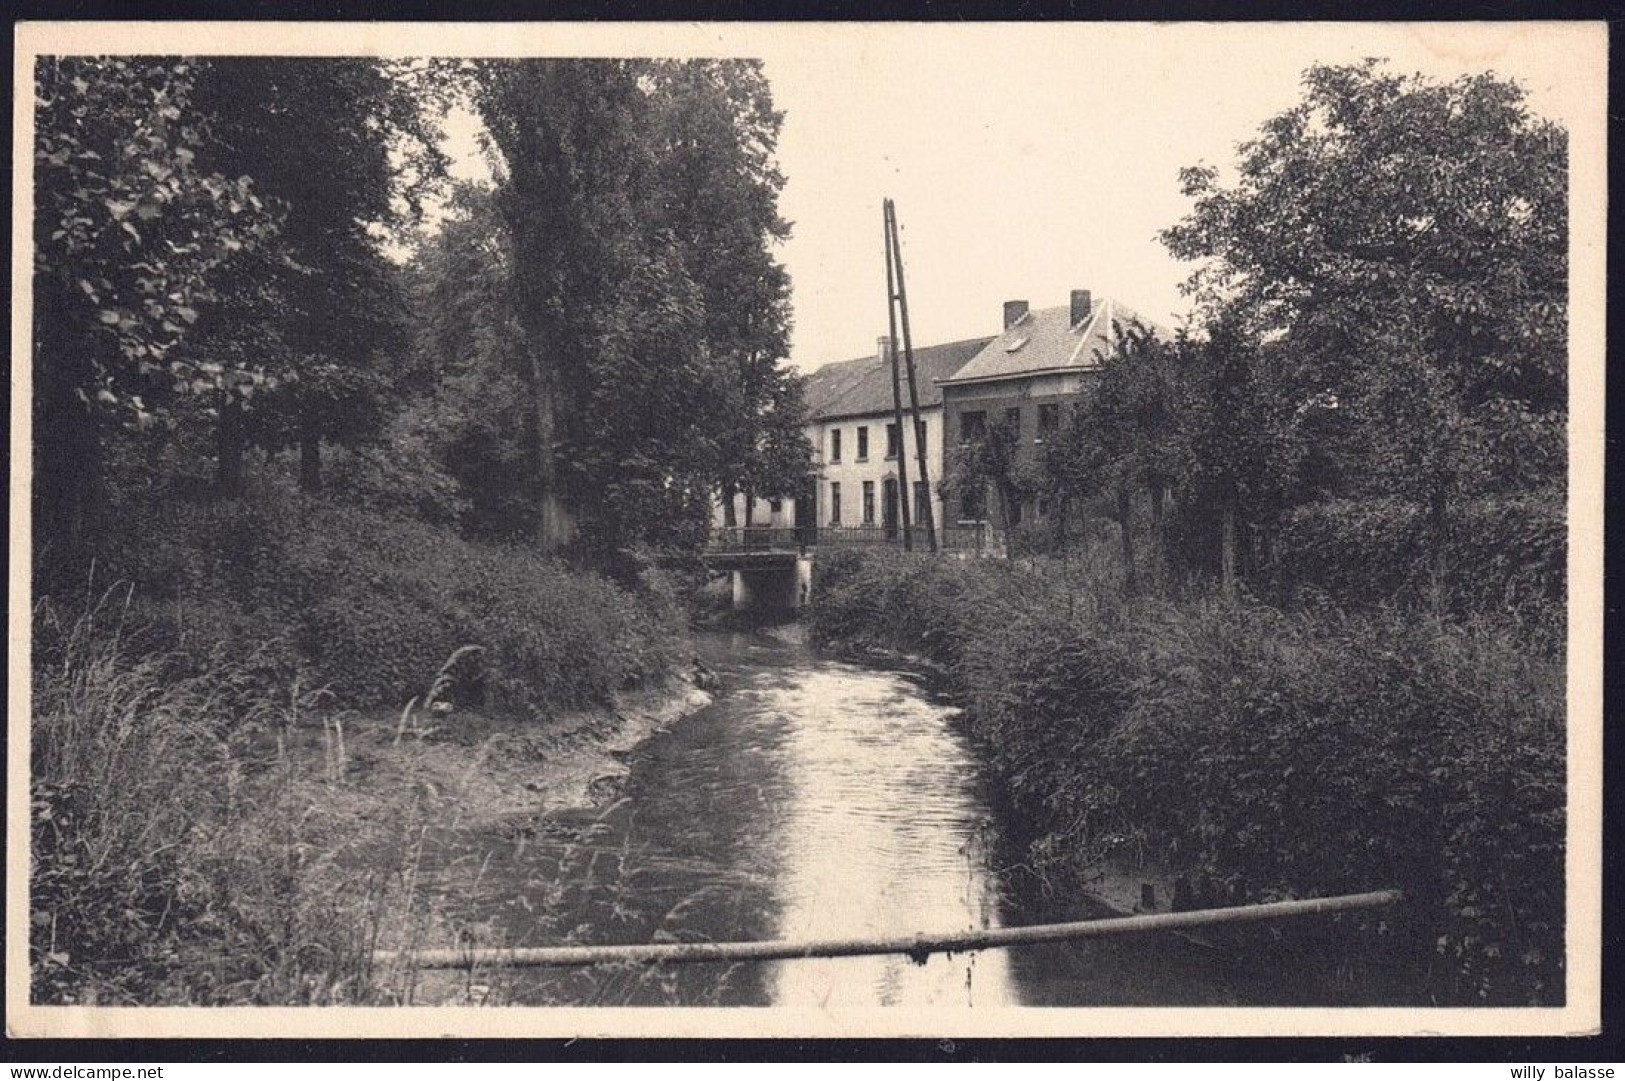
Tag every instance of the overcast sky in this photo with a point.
(1027, 160)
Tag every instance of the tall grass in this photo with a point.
(179, 853)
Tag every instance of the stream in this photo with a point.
(811, 799)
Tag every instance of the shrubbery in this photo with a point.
(1260, 753)
(370, 606)
(1503, 556)
(179, 856)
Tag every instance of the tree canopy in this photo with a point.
(640, 199)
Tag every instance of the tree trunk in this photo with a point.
(553, 527)
(310, 459)
(1126, 528)
(229, 444)
(1227, 546)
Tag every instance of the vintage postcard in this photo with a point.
(899, 529)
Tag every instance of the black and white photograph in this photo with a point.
(806, 530)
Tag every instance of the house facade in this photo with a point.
(855, 482)
(1027, 376)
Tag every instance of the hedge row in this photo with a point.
(1259, 752)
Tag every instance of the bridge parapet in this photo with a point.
(747, 539)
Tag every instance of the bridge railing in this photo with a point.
(756, 538)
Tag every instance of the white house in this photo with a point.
(854, 481)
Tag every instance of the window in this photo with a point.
(891, 441)
(863, 443)
(834, 444)
(868, 500)
(729, 518)
(972, 426)
(973, 504)
(1049, 421)
(834, 502)
(920, 431)
(775, 506)
(1012, 420)
(1043, 506)
(1015, 512)
(922, 502)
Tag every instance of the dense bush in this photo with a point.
(1502, 555)
(370, 605)
(1258, 752)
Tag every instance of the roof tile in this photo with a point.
(863, 386)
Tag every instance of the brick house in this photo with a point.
(1029, 374)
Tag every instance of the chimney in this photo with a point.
(1014, 311)
(1080, 306)
(883, 348)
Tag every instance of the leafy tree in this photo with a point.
(1403, 244)
(346, 148)
(133, 236)
(995, 461)
(1124, 436)
(464, 362)
(653, 321)
(718, 196)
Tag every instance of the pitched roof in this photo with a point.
(857, 387)
(1045, 340)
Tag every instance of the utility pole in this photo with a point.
(895, 251)
(904, 494)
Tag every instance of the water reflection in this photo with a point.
(880, 835)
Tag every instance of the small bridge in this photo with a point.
(772, 565)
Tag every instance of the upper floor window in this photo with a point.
(1012, 420)
(863, 443)
(972, 426)
(834, 444)
(891, 441)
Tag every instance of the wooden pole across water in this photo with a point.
(917, 947)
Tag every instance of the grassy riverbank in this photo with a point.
(242, 738)
(1256, 752)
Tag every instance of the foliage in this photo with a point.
(346, 147)
(994, 461)
(639, 200)
(369, 605)
(1508, 556)
(132, 234)
(131, 227)
(1260, 752)
(1408, 239)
